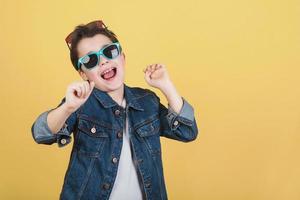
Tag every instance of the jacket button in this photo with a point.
(120, 134)
(93, 130)
(175, 123)
(115, 160)
(117, 112)
(63, 141)
(147, 185)
(106, 186)
(139, 161)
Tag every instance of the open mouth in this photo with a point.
(109, 74)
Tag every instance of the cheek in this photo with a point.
(92, 74)
(121, 64)
(121, 60)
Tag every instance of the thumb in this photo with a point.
(92, 84)
(147, 76)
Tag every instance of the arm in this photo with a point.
(56, 130)
(177, 122)
(57, 118)
(56, 125)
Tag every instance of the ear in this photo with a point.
(82, 74)
(123, 57)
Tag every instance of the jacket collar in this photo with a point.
(131, 99)
(108, 102)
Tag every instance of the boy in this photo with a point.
(116, 152)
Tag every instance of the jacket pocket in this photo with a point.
(149, 133)
(91, 137)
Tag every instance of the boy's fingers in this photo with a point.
(82, 90)
(78, 91)
(92, 84)
(147, 68)
(152, 68)
(86, 89)
(87, 85)
(147, 76)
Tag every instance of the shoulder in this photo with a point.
(144, 98)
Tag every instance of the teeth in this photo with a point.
(106, 71)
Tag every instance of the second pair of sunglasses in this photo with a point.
(92, 59)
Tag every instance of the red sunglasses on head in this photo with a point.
(99, 24)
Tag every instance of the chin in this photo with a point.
(110, 87)
(115, 87)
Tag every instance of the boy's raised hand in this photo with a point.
(156, 75)
(77, 93)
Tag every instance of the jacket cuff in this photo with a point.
(63, 136)
(185, 116)
(43, 135)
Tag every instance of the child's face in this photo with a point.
(108, 75)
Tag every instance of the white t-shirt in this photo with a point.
(126, 185)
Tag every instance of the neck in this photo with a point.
(117, 95)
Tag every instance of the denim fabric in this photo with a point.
(97, 145)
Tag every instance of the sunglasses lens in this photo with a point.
(111, 51)
(90, 61)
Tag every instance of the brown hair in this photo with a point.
(84, 31)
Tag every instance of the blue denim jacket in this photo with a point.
(97, 129)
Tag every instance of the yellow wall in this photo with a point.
(236, 61)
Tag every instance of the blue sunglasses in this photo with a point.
(92, 59)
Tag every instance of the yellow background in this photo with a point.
(236, 61)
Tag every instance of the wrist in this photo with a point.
(167, 87)
(67, 109)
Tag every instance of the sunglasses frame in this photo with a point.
(99, 53)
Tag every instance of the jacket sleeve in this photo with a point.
(42, 134)
(182, 126)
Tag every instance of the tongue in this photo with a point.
(109, 74)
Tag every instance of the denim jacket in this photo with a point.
(97, 131)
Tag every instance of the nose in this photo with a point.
(103, 60)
